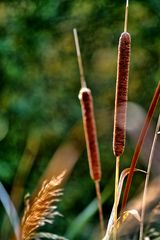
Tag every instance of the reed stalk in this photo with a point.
(139, 144)
(147, 178)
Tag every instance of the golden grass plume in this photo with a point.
(42, 209)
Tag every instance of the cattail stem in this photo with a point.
(99, 202)
(81, 71)
(147, 179)
(126, 16)
(140, 143)
(116, 197)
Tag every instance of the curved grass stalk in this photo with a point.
(11, 211)
(147, 178)
(140, 143)
(110, 226)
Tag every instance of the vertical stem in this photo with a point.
(147, 179)
(99, 202)
(116, 197)
(81, 71)
(126, 17)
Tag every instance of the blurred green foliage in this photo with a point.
(39, 81)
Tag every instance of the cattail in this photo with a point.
(89, 125)
(121, 96)
(86, 100)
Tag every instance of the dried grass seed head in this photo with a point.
(42, 209)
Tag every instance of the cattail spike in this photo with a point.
(126, 16)
(121, 95)
(82, 78)
(89, 124)
(86, 100)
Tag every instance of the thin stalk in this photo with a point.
(81, 220)
(99, 203)
(147, 179)
(116, 197)
(126, 16)
(140, 143)
(79, 58)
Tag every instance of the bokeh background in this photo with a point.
(41, 132)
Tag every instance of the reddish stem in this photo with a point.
(139, 144)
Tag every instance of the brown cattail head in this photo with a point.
(85, 97)
(119, 133)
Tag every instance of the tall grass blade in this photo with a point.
(147, 179)
(140, 143)
(11, 211)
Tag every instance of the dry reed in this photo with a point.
(140, 143)
(147, 179)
